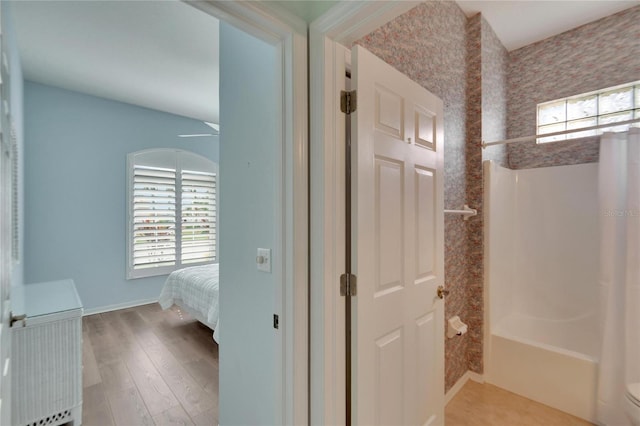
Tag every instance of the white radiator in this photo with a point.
(47, 357)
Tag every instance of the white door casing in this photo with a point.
(342, 25)
(5, 282)
(5, 241)
(273, 25)
(398, 248)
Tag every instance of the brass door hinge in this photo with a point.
(348, 101)
(348, 285)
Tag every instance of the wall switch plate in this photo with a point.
(263, 260)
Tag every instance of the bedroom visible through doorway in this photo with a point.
(103, 80)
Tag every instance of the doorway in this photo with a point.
(278, 162)
(343, 26)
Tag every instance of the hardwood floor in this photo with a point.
(145, 366)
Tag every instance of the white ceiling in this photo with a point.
(519, 23)
(164, 54)
(157, 54)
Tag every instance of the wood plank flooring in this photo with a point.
(145, 366)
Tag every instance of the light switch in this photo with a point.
(263, 260)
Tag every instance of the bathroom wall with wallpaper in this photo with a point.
(437, 46)
(491, 94)
(486, 120)
(494, 66)
(597, 55)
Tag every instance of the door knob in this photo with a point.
(15, 318)
(442, 292)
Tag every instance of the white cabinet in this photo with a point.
(47, 355)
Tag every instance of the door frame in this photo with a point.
(329, 35)
(289, 34)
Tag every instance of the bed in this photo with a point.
(196, 290)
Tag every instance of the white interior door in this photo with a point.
(398, 248)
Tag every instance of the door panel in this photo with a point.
(389, 225)
(426, 336)
(398, 247)
(389, 112)
(425, 223)
(425, 128)
(389, 384)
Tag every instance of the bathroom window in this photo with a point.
(610, 105)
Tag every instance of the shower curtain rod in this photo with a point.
(563, 132)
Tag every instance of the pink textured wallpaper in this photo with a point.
(600, 54)
(495, 68)
(473, 175)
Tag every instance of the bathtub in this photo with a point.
(541, 289)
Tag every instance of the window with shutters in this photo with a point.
(172, 211)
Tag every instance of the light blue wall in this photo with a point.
(249, 148)
(75, 188)
(16, 108)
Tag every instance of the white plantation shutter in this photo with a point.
(173, 218)
(199, 217)
(154, 217)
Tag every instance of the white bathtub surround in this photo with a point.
(619, 194)
(541, 284)
(562, 380)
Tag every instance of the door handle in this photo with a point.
(16, 318)
(442, 292)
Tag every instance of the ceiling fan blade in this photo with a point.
(214, 127)
(197, 135)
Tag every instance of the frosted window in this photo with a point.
(636, 105)
(610, 105)
(616, 100)
(558, 127)
(578, 124)
(552, 113)
(614, 118)
(582, 107)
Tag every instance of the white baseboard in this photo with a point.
(117, 306)
(469, 375)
